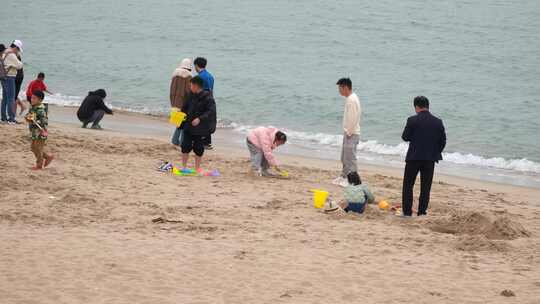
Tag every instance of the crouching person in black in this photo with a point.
(93, 109)
(200, 108)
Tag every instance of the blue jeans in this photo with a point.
(8, 99)
(356, 207)
(177, 136)
(258, 161)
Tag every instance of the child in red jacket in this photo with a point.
(37, 85)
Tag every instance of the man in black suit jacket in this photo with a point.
(427, 139)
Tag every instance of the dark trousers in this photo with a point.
(425, 167)
(96, 118)
(207, 140)
(193, 143)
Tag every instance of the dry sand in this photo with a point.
(82, 231)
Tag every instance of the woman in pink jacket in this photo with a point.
(261, 141)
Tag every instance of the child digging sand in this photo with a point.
(356, 195)
(37, 119)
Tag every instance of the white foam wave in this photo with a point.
(63, 100)
(75, 101)
(400, 150)
(522, 165)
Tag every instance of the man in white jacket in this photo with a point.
(351, 130)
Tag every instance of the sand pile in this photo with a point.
(480, 243)
(476, 223)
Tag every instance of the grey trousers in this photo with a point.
(96, 118)
(258, 161)
(348, 154)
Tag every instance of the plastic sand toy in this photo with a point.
(319, 198)
(213, 173)
(384, 205)
(193, 172)
(176, 117)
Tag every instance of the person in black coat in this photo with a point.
(18, 84)
(427, 139)
(93, 109)
(200, 108)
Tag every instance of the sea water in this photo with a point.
(276, 63)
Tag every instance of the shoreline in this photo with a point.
(513, 170)
(157, 126)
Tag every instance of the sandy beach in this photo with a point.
(102, 225)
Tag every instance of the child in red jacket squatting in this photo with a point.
(37, 119)
(37, 84)
(261, 141)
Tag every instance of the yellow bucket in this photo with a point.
(176, 117)
(319, 198)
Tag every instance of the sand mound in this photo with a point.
(373, 212)
(480, 243)
(475, 223)
(506, 229)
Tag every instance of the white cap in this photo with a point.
(186, 64)
(18, 44)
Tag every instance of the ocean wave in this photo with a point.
(313, 140)
(75, 101)
(63, 100)
(400, 150)
(522, 165)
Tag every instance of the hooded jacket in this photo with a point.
(202, 106)
(179, 90)
(263, 138)
(93, 102)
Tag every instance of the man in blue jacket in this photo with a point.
(208, 85)
(427, 139)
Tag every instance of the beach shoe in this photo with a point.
(48, 161)
(36, 168)
(266, 173)
(96, 127)
(165, 167)
(209, 147)
(337, 180)
(340, 181)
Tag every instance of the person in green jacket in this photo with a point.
(38, 122)
(356, 195)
